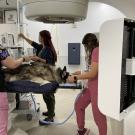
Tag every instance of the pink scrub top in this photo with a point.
(93, 83)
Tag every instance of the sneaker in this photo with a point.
(42, 123)
(46, 114)
(85, 131)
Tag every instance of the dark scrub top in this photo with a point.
(3, 55)
(44, 53)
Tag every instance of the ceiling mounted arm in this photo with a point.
(56, 11)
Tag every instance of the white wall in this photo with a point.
(65, 33)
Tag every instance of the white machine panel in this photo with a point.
(111, 68)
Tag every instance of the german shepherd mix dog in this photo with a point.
(37, 72)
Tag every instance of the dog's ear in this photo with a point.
(65, 68)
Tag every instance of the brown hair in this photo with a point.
(90, 42)
(46, 36)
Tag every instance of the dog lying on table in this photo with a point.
(34, 77)
(37, 72)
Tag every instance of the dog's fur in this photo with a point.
(37, 72)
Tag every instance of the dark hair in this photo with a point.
(90, 42)
(46, 36)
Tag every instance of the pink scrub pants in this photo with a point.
(90, 96)
(3, 113)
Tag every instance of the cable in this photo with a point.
(35, 107)
(63, 122)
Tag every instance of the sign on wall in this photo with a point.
(10, 16)
(74, 53)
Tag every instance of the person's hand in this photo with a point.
(21, 35)
(34, 58)
(76, 73)
(71, 79)
(27, 58)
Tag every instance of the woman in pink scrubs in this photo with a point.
(89, 94)
(9, 62)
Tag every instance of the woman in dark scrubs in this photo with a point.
(45, 52)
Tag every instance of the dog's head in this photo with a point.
(64, 74)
